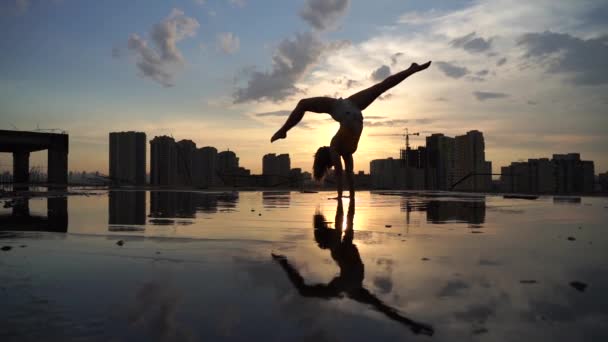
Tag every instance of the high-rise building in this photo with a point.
(128, 158)
(603, 180)
(573, 175)
(185, 157)
(228, 168)
(205, 167)
(470, 161)
(163, 161)
(387, 173)
(276, 168)
(564, 174)
(440, 162)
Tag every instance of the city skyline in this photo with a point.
(531, 76)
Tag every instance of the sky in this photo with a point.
(531, 75)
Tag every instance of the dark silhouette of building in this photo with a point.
(127, 207)
(276, 169)
(440, 168)
(227, 162)
(296, 180)
(128, 158)
(186, 150)
(563, 174)
(21, 144)
(572, 174)
(416, 158)
(470, 158)
(163, 161)
(395, 174)
(603, 180)
(229, 172)
(533, 176)
(205, 167)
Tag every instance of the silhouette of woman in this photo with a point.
(352, 270)
(348, 113)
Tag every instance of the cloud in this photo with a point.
(472, 43)
(323, 14)
(237, 3)
(291, 60)
(274, 113)
(162, 61)
(585, 61)
(228, 42)
(395, 58)
(486, 95)
(386, 123)
(116, 52)
(385, 97)
(381, 73)
(352, 83)
(452, 70)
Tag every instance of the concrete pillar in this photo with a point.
(57, 167)
(21, 167)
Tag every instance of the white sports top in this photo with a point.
(346, 113)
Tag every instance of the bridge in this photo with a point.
(21, 144)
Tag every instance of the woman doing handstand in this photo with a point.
(348, 113)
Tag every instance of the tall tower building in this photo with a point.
(185, 158)
(205, 167)
(163, 161)
(128, 158)
(470, 159)
(440, 162)
(276, 168)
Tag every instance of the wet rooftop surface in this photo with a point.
(141, 265)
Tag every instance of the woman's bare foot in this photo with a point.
(280, 134)
(416, 67)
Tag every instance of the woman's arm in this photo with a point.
(313, 104)
(349, 166)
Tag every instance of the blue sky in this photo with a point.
(531, 75)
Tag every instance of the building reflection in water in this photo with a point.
(181, 204)
(349, 282)
(438, 211)
(127, 207)
(276, 199)
(20, 218)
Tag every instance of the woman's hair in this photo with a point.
(322, 163)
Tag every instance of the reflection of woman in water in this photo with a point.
(350, 280)
(348, 113)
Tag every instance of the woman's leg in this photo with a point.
(365, 97)
(313, 104)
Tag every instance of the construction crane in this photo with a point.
(407, 138)
(403, 152)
